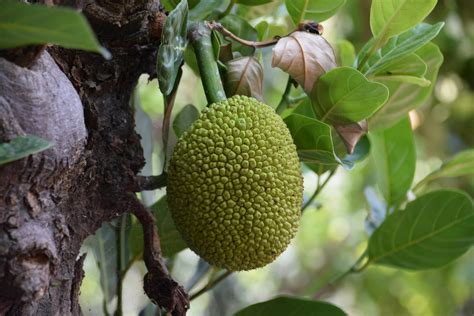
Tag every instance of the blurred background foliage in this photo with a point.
(332, 233)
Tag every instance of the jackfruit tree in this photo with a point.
(140, 138)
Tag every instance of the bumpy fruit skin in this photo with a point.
(235, 186)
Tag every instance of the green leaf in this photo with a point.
(399, 47)
(394, 154)
(204, 8)
(21, 147)
(390, 18)
(242, 29)
(344, 95)
(170, 55)
(405, 97)
(432, 231)
(253, 2)
(286, 305)
(346, 53)
(316, 10)
(267, 31)
(30, 24)
(170, 239)
(312, 139)
(184, 119)
(104, 246)
(462, 164)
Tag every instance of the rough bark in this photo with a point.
(50, 202)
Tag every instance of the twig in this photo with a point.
(158, 284)
(220, 28)
(148, 183)
(319, 188)
(353, 269)
(210, 285)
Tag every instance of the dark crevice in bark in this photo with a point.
(52, 201)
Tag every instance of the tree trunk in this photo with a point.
(51, 201)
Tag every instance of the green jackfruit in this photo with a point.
(235, 186)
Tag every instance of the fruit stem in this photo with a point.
(200, 37)
(284, 98)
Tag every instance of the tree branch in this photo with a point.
(158, 284)
(148, 183)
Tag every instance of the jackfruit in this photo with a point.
(235, 186)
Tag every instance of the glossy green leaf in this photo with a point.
(405, 97)
(205, 8)
(399, 47)
(21, 147)
(394, 155)
(312, 139)
(170, 239)
(392, 17)
(242, 29)
(410, 65)
(287, 306)
(462, 164)
(29, 24)
(432, 231)
(184, 119)
(315, 10)
(346, 53)
(344, 95)
(253, 2)
(171, 51)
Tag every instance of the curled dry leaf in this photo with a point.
(244, 77)
(351, 133)
(305, 57)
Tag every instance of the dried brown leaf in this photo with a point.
(305, 57)
(351, 133)
(244, 77)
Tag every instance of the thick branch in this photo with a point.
(158, 284)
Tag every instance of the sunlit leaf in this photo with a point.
(312, 139)
(244, 76)
(432, 231)
(399, 47)
(171, 51)
(285, 306)
(21, 147)
(389, 18)
(305, 57)
(405, 97)
(344, 95)
(28, 24)
(184, 119)
(394, 155)
(315, 10)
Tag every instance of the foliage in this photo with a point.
(382, 85)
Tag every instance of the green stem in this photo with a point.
(319, 188)
(200, 37)
(210, 285)
(284, 98)
(121, 260)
